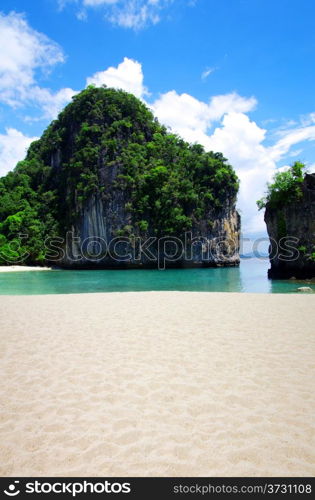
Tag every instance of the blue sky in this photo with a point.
(236, 75)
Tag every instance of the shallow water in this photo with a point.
(251, 276)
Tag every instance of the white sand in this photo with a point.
(12, 269)
(157, 384)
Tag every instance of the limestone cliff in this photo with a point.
(99, 238)
(291, 229)
(108, 186)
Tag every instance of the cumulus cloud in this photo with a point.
(13, 147)
(228, 103)
(127, 76)
(192, 118)
(183, 113)
(241, 141)
(134, 14)
(24, 53)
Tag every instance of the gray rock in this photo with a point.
(291, 230)
(102, 217)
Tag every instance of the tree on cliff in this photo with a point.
(285, 188)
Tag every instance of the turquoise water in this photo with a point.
(251, 276)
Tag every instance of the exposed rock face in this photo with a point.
(96, 240)
(291, 230)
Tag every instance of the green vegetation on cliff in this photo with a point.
(289, 217)
(107, 139)
(285, 188)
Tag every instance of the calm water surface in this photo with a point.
(251, 276)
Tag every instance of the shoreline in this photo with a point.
(157, 384)
(13, 269)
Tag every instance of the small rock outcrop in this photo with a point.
(291, 229)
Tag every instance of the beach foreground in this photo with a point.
(157, 384)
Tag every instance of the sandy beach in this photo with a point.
(11, 269)
(157, 384)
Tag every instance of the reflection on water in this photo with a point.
(251, 276)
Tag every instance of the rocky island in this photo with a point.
(290, 219)
(108, 186)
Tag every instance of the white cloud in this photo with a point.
(183, 113)
(81, 15)
(308, 119)
(51, 103)
(241, 136)
(295, 153)
(24, 53)
(134, 14)
(127, 76)
(290, 138)
(191, 118)
(13, 147)
(207, 72)
(241, 141)
(228, 103)
(95, 3)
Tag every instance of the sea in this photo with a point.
(250, 277)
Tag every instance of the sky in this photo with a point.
(234, 75)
